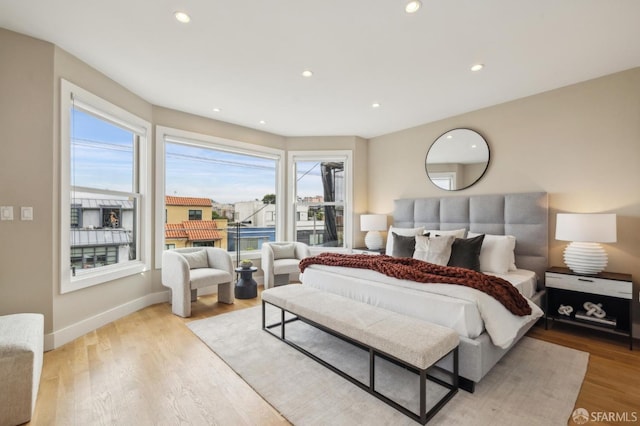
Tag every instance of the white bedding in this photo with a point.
(466, 310)
(525, 281)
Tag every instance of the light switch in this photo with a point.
(6, 212)
(26, 213)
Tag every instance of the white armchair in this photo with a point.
(281, 259)
(186, 270)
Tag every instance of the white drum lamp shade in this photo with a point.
(373, 223)
(584, 255)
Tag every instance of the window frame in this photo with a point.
(114, 114)
(449, 177)
(194, 213)
(199, 140)
(345, 156)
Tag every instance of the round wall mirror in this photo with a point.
(457, 159)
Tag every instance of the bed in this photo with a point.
(486, 333)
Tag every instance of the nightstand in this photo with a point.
(611, 292)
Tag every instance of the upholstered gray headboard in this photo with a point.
(523, 215)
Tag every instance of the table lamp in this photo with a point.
(584, 255)
(373, 223)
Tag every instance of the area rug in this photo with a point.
(536, 383)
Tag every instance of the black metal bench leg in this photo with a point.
(372, 370)
(423, 396)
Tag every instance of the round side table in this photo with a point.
(246, 287)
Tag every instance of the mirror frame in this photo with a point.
(439, 138)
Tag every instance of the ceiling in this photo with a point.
(246, 57)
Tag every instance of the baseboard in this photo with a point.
(58, 338)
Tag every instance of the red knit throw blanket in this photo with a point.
(406, 268)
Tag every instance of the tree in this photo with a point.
(269, 199)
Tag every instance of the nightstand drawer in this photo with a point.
(594, 285)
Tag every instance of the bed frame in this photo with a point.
(523, 215)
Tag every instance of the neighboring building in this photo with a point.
(178, 209)
(258, 222)
(223, 210)
(101, 232)
(188, 224)
(313, 200)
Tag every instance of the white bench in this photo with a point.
(408, 341)
(21, 352)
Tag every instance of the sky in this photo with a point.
(102, 157)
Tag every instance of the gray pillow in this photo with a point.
(283, 251)
(197, 259)
(403, 246)
(466, 253)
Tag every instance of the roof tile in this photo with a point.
(171, 200)
(193, 230)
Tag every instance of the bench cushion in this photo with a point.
(412, 340)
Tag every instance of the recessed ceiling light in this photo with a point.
(375, 105)
(449, 137)
(412, 6)
(477, 67)
(182, 17)
(474, 146)
(262, 122)
(216, 110)
(307, 73)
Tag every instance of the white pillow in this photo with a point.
(197, 259)
(407, 232)
(458, 233)
(283, 251)
(497, 253)
(434, 249)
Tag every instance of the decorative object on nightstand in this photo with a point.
(584, 255)
(599, 302)
(565, 310)
(373, 223)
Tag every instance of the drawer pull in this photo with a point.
(584, 279)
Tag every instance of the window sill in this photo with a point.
(85, 278)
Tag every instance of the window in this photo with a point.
(321, 190)
(76, 216)
(444, 180)
(93, 257)
(204, 244)
(104, 190)
(169, 246)
(111, 217)
(241, 181)
(195, 214)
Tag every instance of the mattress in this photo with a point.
(431, 302)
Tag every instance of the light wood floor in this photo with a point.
(149, 369)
